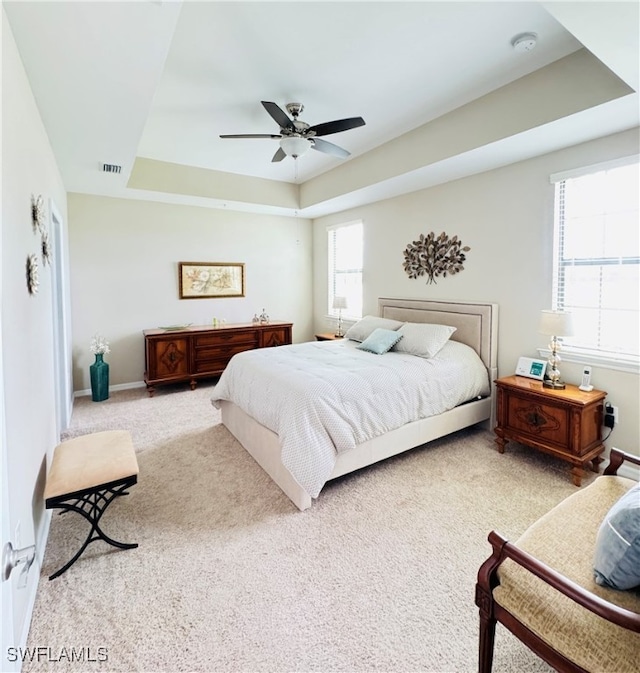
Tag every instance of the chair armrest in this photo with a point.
(502, 549)
(616, 458)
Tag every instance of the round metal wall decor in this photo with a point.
(433, 256)
(37, 213)
(45, 247)
(32, 274)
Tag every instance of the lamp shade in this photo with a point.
(294, 146)
(556, 323)
(339, 302)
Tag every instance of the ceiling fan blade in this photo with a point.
(280, 117)
(279, 155)
(251, 135)
(336, 126)
(329, 148)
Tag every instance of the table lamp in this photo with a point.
(339, 303)
(555, 324)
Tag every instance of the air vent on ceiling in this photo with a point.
(111, 168)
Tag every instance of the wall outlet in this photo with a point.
(610, 415)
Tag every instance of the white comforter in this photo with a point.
(322, 398)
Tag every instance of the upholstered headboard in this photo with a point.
(476, 323)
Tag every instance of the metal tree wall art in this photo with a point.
(434, 256)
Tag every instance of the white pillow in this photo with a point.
(364, 327)
(423, 339)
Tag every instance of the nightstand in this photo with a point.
(327, 336)
(564, 423)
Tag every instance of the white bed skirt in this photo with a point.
(264, 445)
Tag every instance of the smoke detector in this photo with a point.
(524, 42)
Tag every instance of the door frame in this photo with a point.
(60, 307)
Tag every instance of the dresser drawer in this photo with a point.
(538, 420)
(220, 353)
(227, 338)
(212, 367)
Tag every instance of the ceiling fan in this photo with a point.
(296, 136)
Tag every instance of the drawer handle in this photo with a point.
(537, 419)
(534, 419)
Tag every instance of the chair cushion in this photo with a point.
(617, 557)
(564, 539)
(89, 461)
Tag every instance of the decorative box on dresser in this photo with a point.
(564, 423)
(193, 353)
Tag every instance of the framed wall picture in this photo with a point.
(207, 280)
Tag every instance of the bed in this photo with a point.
(476, 327)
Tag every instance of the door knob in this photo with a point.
(12, 558)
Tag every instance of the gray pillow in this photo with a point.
(423, 339)
(617, 557)
(380, 341)
(363, 328)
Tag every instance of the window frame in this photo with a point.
(349, 313)
(570, 352)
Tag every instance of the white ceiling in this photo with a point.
(161, 80)
(397, 65)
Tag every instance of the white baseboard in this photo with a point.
(119, 386)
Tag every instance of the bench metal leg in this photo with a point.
(91, 504)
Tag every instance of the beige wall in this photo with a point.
(506, 217)
(27, 374)
(124, 273)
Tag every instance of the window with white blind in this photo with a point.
(345, 244)
(597, 260)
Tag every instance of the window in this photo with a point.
(345, 267)
(597, 259)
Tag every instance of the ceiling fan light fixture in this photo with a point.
(296, 136)
(294, 146)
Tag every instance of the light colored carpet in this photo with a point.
(378, 575)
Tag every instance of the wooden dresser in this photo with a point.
(195, 353)
(564, 423)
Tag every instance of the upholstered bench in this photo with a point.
(87, 473)
(542, 588)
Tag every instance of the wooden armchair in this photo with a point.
(542, 588)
